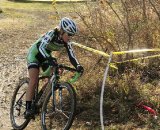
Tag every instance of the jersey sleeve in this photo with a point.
(46, 39)
(71, 55)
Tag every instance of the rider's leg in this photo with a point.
(33, 76)
(47, 70)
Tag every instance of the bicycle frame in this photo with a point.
(54, 82)
(41, 96)
(59, 94)
(54, 79)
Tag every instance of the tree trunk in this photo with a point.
(1, 10)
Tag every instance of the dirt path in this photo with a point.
(14, 43)
(19, 28)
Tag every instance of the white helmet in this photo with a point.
(68, 26)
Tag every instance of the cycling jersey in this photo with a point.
(42, 48)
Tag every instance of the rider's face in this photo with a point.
(65, 37)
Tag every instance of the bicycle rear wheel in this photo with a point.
(17, 108)
(60, 115)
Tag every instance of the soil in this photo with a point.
(16, 37)
(17, 34)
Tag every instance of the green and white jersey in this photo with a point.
(42, 48)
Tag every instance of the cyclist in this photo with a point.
(40, 51)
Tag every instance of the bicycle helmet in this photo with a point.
(68, 26)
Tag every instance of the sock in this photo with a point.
(28, 105)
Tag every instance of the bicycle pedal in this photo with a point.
(29, 114)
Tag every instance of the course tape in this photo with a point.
(53, 2)
(112, 65)
(91, 49)
(114, 53)
(132, 60)
(135, 51)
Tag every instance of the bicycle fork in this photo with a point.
(53, 97)
(54, 102)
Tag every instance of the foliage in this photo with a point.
(116, 26)
(122, 25)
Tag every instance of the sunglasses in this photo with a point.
(70, 34)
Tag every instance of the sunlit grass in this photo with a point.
(26, 5)
(32, 6)
(12, 19)
(14, 12)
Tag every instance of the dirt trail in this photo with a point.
(14, 43)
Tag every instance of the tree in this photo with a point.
(1, 10)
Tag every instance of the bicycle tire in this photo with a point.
(15, 104)
(49, 112)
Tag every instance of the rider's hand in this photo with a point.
(52, 61)
(60, 71)
(80, 69)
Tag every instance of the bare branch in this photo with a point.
(155, 9)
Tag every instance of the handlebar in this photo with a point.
(76, 75)
(61, 66)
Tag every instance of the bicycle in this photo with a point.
(56, 102)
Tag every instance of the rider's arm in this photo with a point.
(73, 58)
(44, 43)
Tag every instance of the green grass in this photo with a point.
(22, 11)
(32, 6)
(26, 5)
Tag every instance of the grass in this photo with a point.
(32, 6)
(26, 5)
(15, 13)
(22, 11)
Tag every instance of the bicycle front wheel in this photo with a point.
(17, 108)
(59, 108)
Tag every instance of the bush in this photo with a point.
(114, 27)
(121, 25)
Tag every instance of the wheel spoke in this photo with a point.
(60, 111)
(62, 116)
(18, 106)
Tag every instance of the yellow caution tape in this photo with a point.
(53, 2)
(91, 49)
(114, 53)
(135, 51)
(112, 65)
(120, 53)
(95, 51)
(132, 60)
